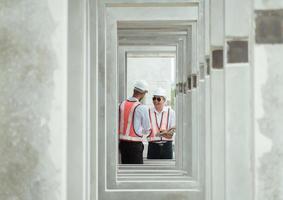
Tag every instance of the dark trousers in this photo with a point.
(160, 150)
(131, 152)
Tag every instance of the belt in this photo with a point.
(160, 143)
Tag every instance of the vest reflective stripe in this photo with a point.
(121, 113)
(126, 127)
(164, 123)
(129, 138)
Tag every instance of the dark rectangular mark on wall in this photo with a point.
(269, 26)
(202, 71)
(217, 59)
(195, 80)
(189, 83)
(207, 60)
(238, 52)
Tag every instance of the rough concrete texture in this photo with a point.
(27, 64)
(270, 166)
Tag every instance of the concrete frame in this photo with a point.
(84, 110)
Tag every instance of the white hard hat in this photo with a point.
(141, 86)
(160, 92)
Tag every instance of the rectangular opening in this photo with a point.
(121, 36)
(161, 57)
(158, 69)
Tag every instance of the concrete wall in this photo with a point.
(217, 104)
(33, 68)
(268, 102)
(33, 89)
(238, 98)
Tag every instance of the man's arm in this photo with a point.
(172, 120)
(142, 121)
(172, 127)
(146, 120)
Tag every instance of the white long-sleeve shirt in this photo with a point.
(171, 121)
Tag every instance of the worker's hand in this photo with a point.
(167, 134)
(172, 130)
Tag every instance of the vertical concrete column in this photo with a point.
(76, 100)
(207, 99)
(32, 100)
(238, 88)
(206, 27)
(268, 100)
(217, 99)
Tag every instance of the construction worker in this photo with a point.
(163, 127)
(134, 125)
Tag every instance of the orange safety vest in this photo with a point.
(157, 128)
(126, 121)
